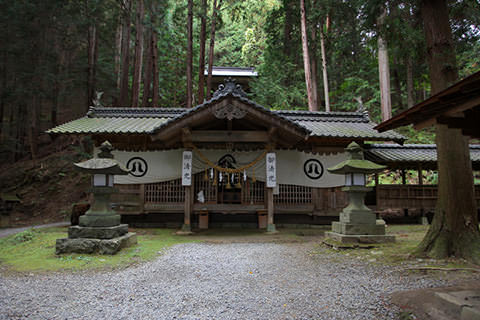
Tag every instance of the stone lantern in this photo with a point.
(99, 230)
(358, 224)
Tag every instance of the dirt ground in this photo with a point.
(48, 186)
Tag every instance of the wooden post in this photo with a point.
(376, 179)
(270, 209)
(142, 197)
(404, 177)
(420, 175)
(187, 226)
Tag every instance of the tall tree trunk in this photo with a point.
(454, 230)
(155, 68)
(138, 63)
(215, 9)
(287, 27)
(306, 58)
(313, 64)
(126, 8)
(3, 72)
(398, 87)
(92, 63)
(324, 70)
(410, 90)
(201, 55)
(118, 53)
(189, 54)
(147, 74)
(383, 69)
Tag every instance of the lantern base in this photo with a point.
(99, 220)
(100, 246)
(358, 228)
(97, 232)
(359, 238)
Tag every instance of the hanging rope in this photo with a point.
(227, 170)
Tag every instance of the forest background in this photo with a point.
(55, 55)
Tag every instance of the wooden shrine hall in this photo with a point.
(228, 161)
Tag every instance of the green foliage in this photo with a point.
(22, 237)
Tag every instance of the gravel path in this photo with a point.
(215, 281)
(8, 231)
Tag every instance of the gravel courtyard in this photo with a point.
(216, 281)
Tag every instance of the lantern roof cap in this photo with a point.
(102, 166)
(356, 163)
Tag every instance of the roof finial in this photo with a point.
(230, 86)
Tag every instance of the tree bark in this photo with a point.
(138, 63)
(410, 90)
(118, 53)
(306, 58)
(155, 69)
(313, 63)
(325, 74)
(216, 8)
(147, 74)
(126, 7)
(383, 69)
(189, 54)
(201, 55)
(92, 63)
(454, 230)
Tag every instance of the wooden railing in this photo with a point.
(292, 195)
(165, 192)
(410, 196)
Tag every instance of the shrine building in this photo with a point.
(229, 161)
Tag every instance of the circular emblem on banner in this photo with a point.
(138, 166)
(313, 169)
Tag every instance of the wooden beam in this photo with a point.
(229, 136)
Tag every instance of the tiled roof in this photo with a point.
(422, 153)
(343, 125)
(91, 125)
(232, 72)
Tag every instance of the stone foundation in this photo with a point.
(344, 238)
(100, 246)
(75, 232)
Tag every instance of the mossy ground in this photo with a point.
(400, 252)
(38, 253)
(34, 250)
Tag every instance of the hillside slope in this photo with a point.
(47, 186)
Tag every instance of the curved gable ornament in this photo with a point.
(229, 112)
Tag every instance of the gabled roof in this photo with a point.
(336, 125)
(458, 106)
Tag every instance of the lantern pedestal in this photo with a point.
(358, 224)
(99, 230)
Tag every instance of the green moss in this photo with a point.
(400, 252)
(38, 253)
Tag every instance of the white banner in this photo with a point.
(187, 168)
(292, 167)
(271, 172)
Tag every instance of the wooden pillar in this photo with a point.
(404, 177)
(187, 226)
(270, 210)
(420, 175)
(376, 179)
